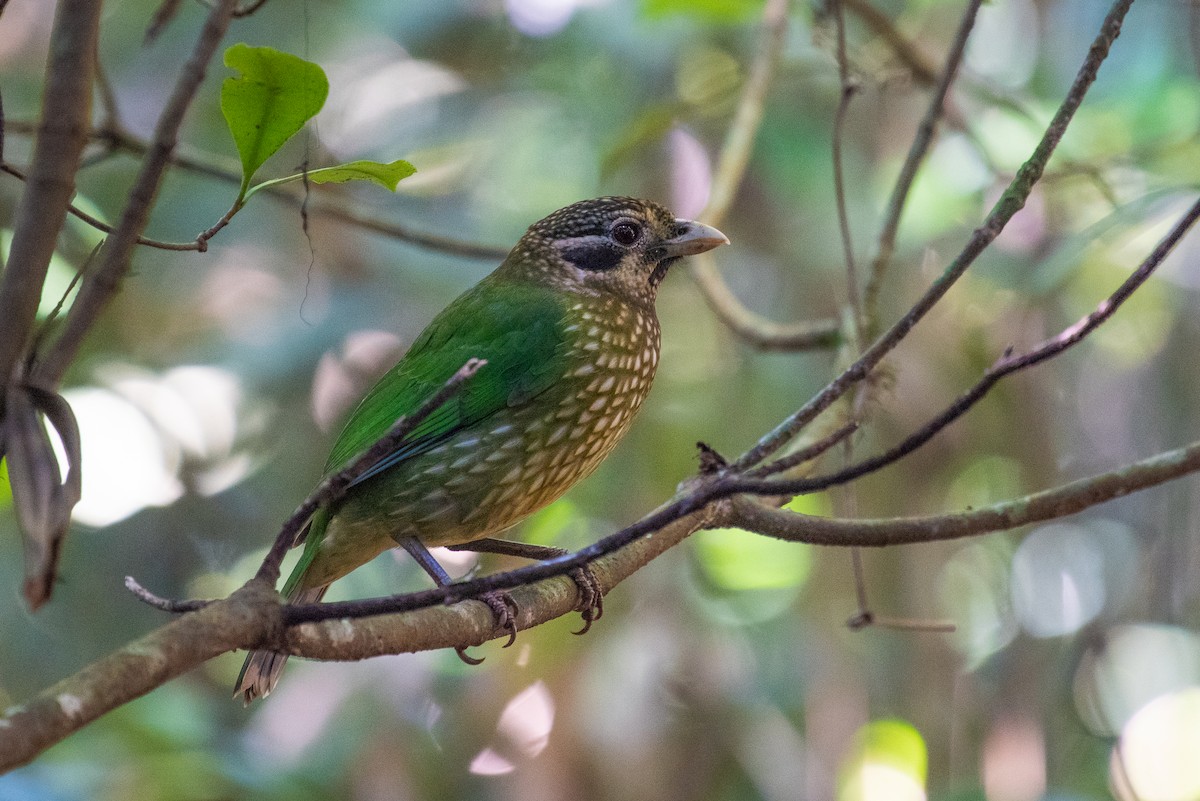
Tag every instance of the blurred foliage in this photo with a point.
(723, 670)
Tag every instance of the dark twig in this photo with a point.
(333, 488)
(806, 454)
(912, 162)
(1008, 205)
(164, 604)
(212, 166)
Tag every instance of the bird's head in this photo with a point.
(618, 245)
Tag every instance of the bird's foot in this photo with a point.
(591, 596)
(504, 613)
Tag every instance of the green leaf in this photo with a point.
(386, 175)
(269, 102)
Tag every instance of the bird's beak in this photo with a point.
(691, 238)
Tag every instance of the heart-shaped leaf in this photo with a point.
(269, 102)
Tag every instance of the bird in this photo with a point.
(567, 328)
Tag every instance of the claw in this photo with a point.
(470, 660)
(504, 609)
(591, 597)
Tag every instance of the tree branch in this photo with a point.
(61, 136)
(253, 618)
(1006, 365)
(1050, 504)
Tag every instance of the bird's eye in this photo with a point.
(626, 233)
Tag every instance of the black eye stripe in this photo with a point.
(591, 253)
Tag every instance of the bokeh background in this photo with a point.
(210, 392)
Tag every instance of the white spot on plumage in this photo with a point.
(586, 369)
(598, 404)
(557, 436)
(608, 384)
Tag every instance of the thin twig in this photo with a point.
(921, 67)
(164, 604)
(1066, 499)
(803, 455)
(100, 225)
(334, 487)
(1008, 205)
(886, 241)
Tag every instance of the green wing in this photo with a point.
(516, 327)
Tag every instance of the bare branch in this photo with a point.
(252, 618)
(806, 454)
(1050, 504)
(1006, 365)
(61, 136)
(1008, 205)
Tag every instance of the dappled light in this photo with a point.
(1155, 759)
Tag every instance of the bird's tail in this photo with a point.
(262, 669)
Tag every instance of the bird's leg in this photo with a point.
(502, 606)
(591, 594)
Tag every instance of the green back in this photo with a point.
(516, 327)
